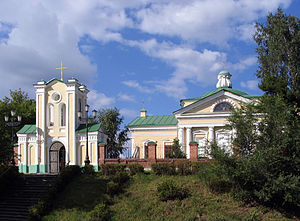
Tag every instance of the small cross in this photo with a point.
(61, 70)
(143, 103)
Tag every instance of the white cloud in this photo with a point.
(189, 64)
(136, 85)
(128, 113)
(99, 100)
(244, 63)
(211, 21)
(251, 84)
(126, 97)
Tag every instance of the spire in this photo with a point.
(143, 111)
(224, 79)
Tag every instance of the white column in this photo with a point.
(97, 153)
(233, 133)
(211, 134)
(90, 152)
(26, 153)
(188, 140)
(181, 137)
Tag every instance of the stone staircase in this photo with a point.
(15, 203)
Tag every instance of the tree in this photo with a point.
(176, 151)
(20, 102)
(111, 122)
(268, 131)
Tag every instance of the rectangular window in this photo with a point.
(168, 149)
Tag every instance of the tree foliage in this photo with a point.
(111, 122)
(20, 102)
(268, 130)
(176, 151)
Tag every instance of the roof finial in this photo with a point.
(143, 111)
(61, 70)
(143, 103)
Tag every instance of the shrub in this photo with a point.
(88, 169)
(99, 213)
(184, 168)
(120, 177)
(112, 188)
(168, 190)
(215, 178)
(111, 169)
(196, 166)
(135, 168)
(164, 169)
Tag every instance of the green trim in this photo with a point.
(217, 90)
(91, 128)
(96, 168)
(193, 142)
(32, 168)
(161, 120)
(101, 143)
(151, 143)
(224, 72)
(27, 129)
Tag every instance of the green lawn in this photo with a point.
(139, 202)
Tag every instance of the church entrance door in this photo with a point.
(57, 157)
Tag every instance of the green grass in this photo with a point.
(139, 201)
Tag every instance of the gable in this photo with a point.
(205, 104)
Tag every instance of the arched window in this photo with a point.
(62, 108)
(223, 107)
(50, 115)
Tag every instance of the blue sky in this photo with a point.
(159, 51)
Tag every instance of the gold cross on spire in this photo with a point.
(61, 70)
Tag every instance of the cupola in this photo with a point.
(143, 113)
(224, 79)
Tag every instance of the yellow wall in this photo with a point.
(156, 135)
(82, 154)
(71, 129)
(22, 153)
(93, 153)
(32, 155)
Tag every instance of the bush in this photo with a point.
(184, 168)
(112, 188)
(120, 177)
(197, 166)
(164, 169)
(99, 213)
(215, 178)
(89, 169)
(111, 169)
(135, 168)
(168, 190)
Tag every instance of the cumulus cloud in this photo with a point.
(128, 113)
(136, 85)
(99, 100)
(251, 84)
(212, 21)
(126, 97)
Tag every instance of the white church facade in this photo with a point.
(202, 120)
(59, 136)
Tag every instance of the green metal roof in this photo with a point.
(27, 129)
(91, 128)
(162, 120)
(234, 91)
(224, 72)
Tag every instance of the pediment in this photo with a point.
(206, 105)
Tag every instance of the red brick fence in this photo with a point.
(146, 163)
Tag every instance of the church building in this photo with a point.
(202, 120)
(59, 136)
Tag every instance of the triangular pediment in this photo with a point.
(206, 105)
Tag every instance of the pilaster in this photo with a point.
(188, 140)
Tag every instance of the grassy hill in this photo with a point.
(139, 201)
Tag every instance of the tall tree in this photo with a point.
(20, 102)
(268, 131)
(111, 121)
(278, 51)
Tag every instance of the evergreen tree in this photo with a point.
(176, 151)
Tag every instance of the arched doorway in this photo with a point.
(57, 157)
